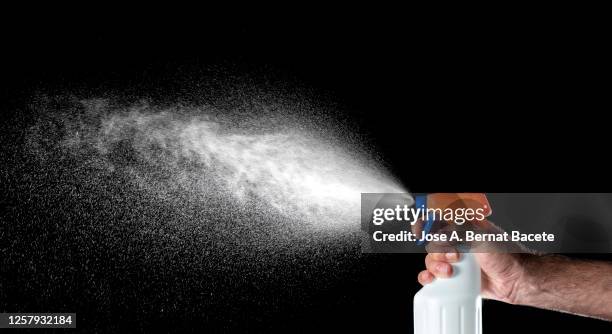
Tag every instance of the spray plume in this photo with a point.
(289, 173)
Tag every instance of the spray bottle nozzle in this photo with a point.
(439, 202)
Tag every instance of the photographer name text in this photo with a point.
(468, 236)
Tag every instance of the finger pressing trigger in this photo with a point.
(438, 268)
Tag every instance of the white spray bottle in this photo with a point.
(452, 305)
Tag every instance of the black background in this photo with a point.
(525, 95)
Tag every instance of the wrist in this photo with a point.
(527, 283)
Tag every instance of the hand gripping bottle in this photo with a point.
(452, 305)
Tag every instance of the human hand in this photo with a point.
(502, 271)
